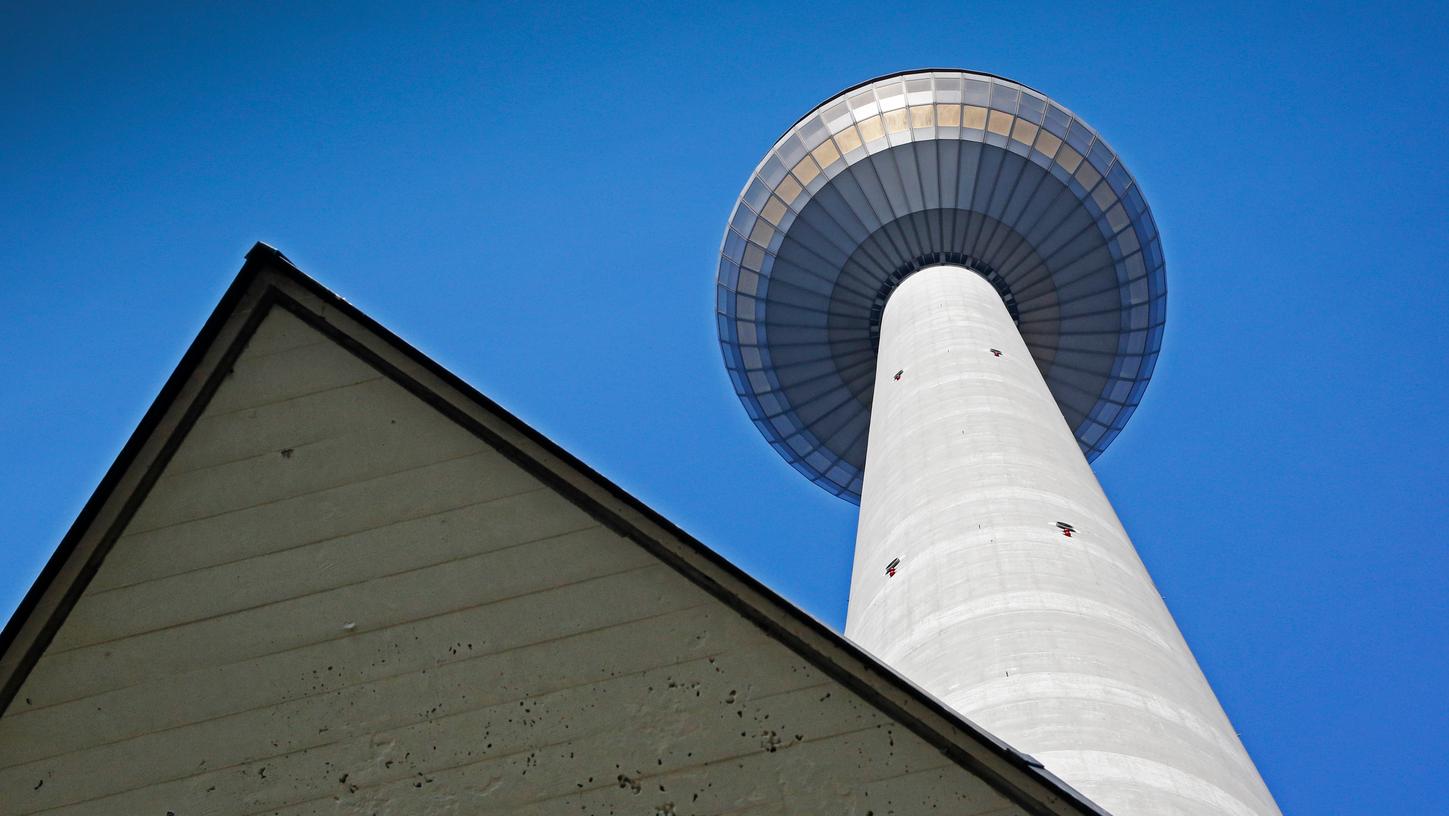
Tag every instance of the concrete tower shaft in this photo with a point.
(991, 569)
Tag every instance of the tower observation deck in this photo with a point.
(940, 295)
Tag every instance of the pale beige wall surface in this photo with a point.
(336, 600)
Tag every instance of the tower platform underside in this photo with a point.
(991, 570)
(910, 171)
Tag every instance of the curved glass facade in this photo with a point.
(916, 170)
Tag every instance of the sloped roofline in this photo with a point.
(268, 279)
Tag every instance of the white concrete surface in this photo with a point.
(1058, 644)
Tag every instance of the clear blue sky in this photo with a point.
(535, 197)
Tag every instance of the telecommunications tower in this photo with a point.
(957, 270)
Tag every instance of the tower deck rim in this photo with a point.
(892, 75)
(916, 167)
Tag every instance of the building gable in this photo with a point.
(330, 578)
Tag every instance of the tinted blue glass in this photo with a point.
(1004, 98)
(976, 92)
(1137, 390)
(728, 274)
(1100, 157)
(1056, 121)
(1032, 108)
(734, 246)
(1080, 137)
(756, 195)
(772, 171)
(743, 221)
(1135, 202)
(1154, 254)
(1119, 179)
(790, 150)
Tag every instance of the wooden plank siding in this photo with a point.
(335, 599)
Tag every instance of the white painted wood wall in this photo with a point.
(336, 600)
